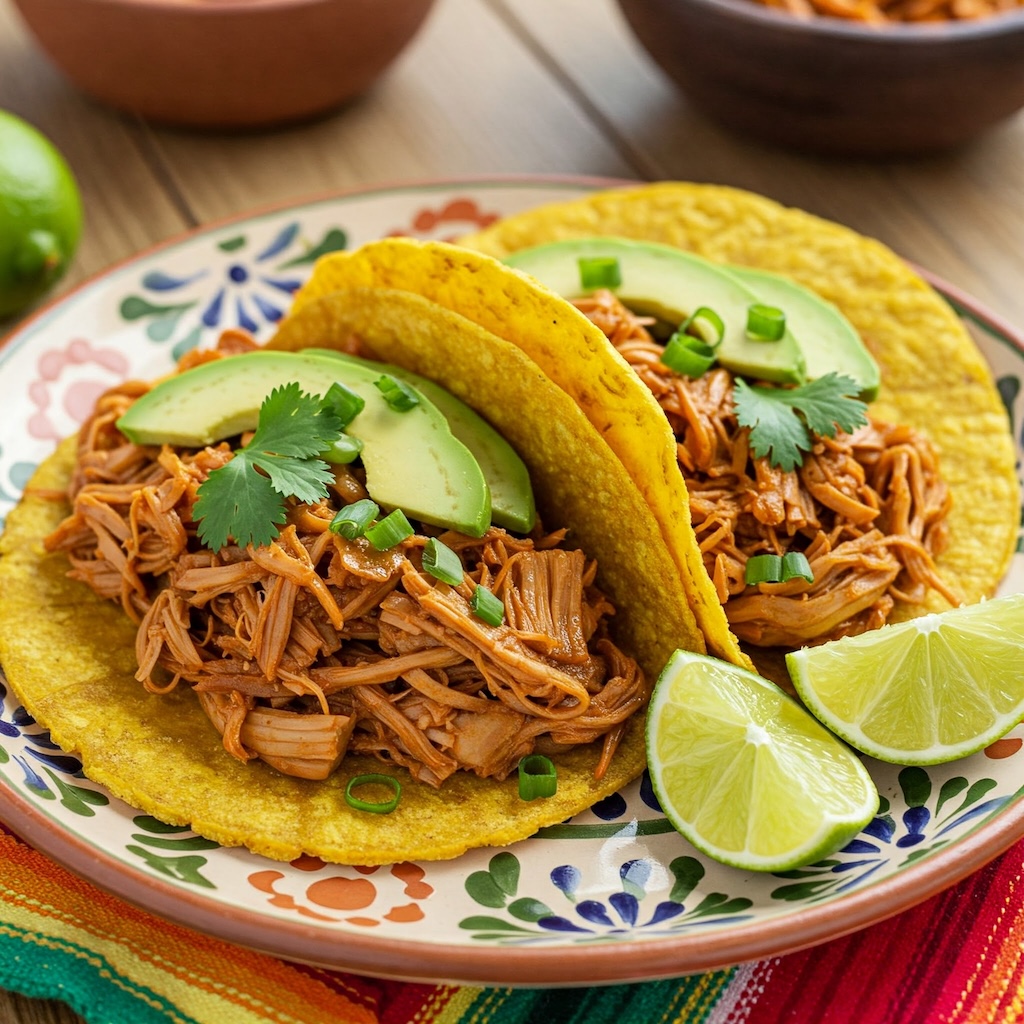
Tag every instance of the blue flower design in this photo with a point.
(954, 805)
(620, 911)
(235, 289)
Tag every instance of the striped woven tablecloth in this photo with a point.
(955, 958)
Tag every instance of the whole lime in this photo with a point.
(40, 214)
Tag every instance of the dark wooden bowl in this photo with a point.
(223, 63)
(829, 86)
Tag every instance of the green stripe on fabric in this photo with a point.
(653, 827)
(676, 1001)
(45, 967)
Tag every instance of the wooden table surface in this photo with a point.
(496, 86)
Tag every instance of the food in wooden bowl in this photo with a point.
(838, 85)
(223, 63)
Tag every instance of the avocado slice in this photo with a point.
(412, 459)
(512, 500)
(670, 283)
(829, 341)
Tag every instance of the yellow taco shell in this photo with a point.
(70, 655)
(934, 378)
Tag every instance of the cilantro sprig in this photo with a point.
(784, 421)
(245, 498)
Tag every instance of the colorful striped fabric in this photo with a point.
(956, 958)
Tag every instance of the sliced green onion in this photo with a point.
(537, 777)
(442, 563)
(346, 449)
(487, 606)
(391, 530)
(765, 323)
(763, 569)
(599, 272)
(706, 324)
(399, 395)
(374, 807)
(345, 402)
(353, 520)
(794, 563)
(687, 355)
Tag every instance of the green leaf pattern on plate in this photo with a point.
(598, 878)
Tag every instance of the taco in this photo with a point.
(165, 651)
(913, 510)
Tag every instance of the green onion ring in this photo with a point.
(367, 805)
(599, 272)
(353, 520)
(538, 777)
(765, 568)
(687, 355)
(344, 401)
(765, 323)
(794, 563)
(705, 324)
(442, 563)
(389, 531)
(487, 606)
(345, 450)
(400, 396)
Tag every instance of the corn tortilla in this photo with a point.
(933, 376)
(572, 469)
(70, 655)
(570, 351)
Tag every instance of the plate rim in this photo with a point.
(419, 960)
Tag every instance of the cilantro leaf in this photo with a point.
(776, 432)
(305, 479)
(784, 421)
(827, 403)
(245, 498)
(294, 423)
(236, 501)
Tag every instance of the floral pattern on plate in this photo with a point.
(615, 874)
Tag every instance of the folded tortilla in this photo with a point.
(934, 378)
(70, 656)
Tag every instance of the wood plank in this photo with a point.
(122, 215)
(15, 1009)
(961, 215)
(466, 99)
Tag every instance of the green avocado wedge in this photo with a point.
(412, 459)
(512, 500)
(830, 343)
(671, 284)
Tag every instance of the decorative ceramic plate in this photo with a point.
(613, 894)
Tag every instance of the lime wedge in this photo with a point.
(928, 690)
(744, 773)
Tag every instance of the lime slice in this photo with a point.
(925, 691)
(745, 774)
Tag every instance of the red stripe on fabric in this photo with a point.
(952, 938)
(988, 983)
(910, 969)
(805, 985)
(364, 991)
(402, 1003)
(391, 1002)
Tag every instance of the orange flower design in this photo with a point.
(448, 222)
(348, 894)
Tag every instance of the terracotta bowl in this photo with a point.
(830, 86)
(223, 63)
